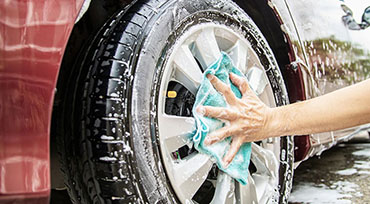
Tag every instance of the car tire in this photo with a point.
(111, 150)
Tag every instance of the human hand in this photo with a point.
(247, 116)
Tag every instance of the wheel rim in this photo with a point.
(196, 49)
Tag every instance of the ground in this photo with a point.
(339, 175)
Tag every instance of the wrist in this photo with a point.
(275, 125)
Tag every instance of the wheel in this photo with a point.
(129, 140)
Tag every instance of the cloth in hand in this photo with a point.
(207, 95)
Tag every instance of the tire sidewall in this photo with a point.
(159, 37)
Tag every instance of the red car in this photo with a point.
(109, 86)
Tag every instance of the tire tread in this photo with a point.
(102, 172)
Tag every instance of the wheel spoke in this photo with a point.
(247, 193)
(207, 46)
(264, 160)
(272, 144)
(177, 131)
(225, 189)
(191, 173)
(187, 70)
(238, 54)
(257, 80)
(261, 185)
(265, 178)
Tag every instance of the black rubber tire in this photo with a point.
(109, 148)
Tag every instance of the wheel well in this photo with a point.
(265, 18)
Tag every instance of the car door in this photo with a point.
(328, 51)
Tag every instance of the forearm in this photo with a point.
(341, 109)
(249, 119)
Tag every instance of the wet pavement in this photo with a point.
(339, 175)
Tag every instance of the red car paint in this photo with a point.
(33, 36)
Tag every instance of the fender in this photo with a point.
(33, 38)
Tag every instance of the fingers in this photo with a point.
(221, 134)
(234, 148)
(217, 112)
(222, 88)
(241, 83)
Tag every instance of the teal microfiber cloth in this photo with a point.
(207, 95)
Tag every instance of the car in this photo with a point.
(104, 91)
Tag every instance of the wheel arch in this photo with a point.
(266, 19)
(269, 22)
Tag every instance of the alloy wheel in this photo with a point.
(192, 175)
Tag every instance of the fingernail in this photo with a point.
(210, 76)
(201, 110)
(207, 141)
(234, 76)
(225, 164)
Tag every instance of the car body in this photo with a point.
(324, 55)
(30, 60)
